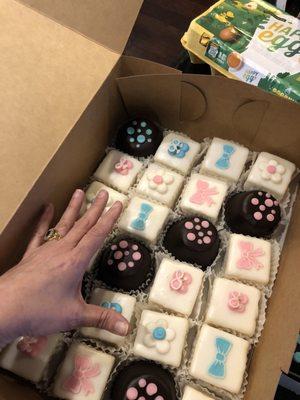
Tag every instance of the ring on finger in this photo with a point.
(52, 234)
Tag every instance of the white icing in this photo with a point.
(170, 352)
(234, 306)
(164, 190)
(193, 394)
(205, 355)
(113, 195)
(203, 195)
(98, 297)
(235, 164)
(107, 173)
(182, 164)
(162, 294)
(98, 360)
(270, 173)
(253, 268)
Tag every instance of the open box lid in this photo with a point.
(50, 71)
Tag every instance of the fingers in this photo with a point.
(71, 213)
(104, 318)
(41, 229)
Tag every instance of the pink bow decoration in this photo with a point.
(32, 346)
(237, 301)
(123, 166)
(80, 379)
(203, 194)
(249, 256)
(180, 281)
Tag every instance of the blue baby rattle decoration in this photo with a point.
(139, 222)
(224, 161)
(113, 306)
(217, 368)
(178, 149)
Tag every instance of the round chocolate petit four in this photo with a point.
(126, 264)
(193, 240)
(139, 137)
(143, 380)
(253, 213)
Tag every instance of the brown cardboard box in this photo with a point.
(65, 87)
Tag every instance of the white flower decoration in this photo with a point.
(271, 170)
(159, 180)
(159, 335)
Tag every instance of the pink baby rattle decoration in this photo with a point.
(237, 301)
(180, 282)
(123, 166)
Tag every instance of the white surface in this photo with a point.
(107, 173)
(203, 195)
(220, 314)
(236, 164)
(205, 354)
(98, 297)
(162, 294)
(192, 394)
(105, 361)
(165, 192)
(179, 328)
(276, 183)
(183, 165)
(257, 271)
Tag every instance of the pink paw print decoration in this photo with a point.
(249, 256)
(123, 166)
(237, 301)
(180, 282)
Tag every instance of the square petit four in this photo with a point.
(144, 219)
(162, 184)
(225, 159)
(270, 173)
(121, 303)
(161, 337)
(219, 358)
(203, 195)
(83, 373)
(177, 152)
(190, 393)
(248, 258)
(28, 356)
(118, 170)
(176, 286)
(233, 305)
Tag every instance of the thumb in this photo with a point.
(104, 318)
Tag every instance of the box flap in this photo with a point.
(108, 22)
(46, 71)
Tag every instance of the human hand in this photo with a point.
(42, 294)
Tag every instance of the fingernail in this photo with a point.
(121, 328)
(77, 193)
(102, 194)
(116, 204)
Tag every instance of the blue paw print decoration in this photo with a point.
(140, 221)
(224, 161)
(113, 306)
(217, 368)
(178, 149)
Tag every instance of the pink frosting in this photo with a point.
(181, 281)
(158, 179)
(32, 346)
(204, 194)
(271, 169)
(123, 166)
(249, 256)
(237, 301)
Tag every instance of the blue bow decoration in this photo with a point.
(114, 306)
(139, 222)
(178, 149)
(217, 368)
(224, 161)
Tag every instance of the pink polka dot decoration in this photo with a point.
(150, 388)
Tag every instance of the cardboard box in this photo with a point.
(64, 89)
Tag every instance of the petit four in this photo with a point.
(121, 303)
(248, 258)
(193, 240)
(177, 152)
(193, 394)
(254, 213)
(203, 195)
(176, 286)
(161, 337)
(83, 373)
(125, 264)
(225, 159)
(270, 173)
(144, 219)
(219, 358)
(139, 137)
(28, 356)
(143, 380)
(233, 305)
(161, 184)
(118, 170)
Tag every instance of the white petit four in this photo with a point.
(190, 393)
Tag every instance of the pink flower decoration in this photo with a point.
(180, 282)
(237, 301)
(249, 256)
(123, 166)
(203, 194)
(79, 380)
(32, 346)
